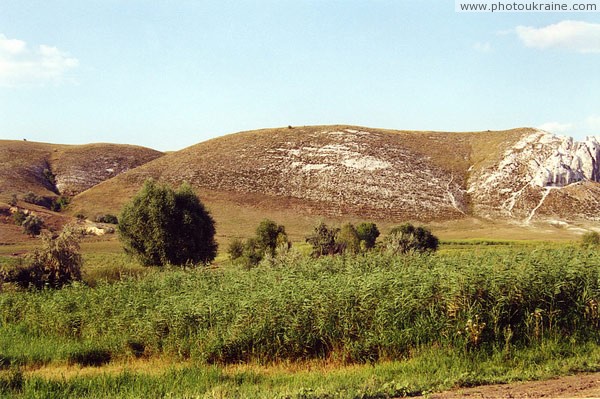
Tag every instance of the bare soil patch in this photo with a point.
(573, 386)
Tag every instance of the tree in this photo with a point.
(408, 238)
(162, 226)
(32, 225)
(57, 263)
(347, 239)
(367, 233)
(323, 240)
(269, 236)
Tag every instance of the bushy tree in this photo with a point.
(323, 240)
(32, 225)
(408, 238)
(270, 236)
(347, 239)
(367, 234)
(57, 263)
(268, 240)
(163, 226)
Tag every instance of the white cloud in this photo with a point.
(556, 127)
(20, 65)
(483, 47)
(583, 37)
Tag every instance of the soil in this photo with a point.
(574, 386)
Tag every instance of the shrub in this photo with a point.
(347, 239)
(107, 218)
(32, 225)
(89, 357)
(13, 200)
(367, 233)
(590, 239)
(32, 198)
(235, 249)
(19, 217)
(269, 236)
(161, 226)
(56, 264)
(408, 238)
(323, 240)
(59, 204)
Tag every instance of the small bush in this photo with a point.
(90, 357)
(32, 225)
(235, 249)
(11, 381)
(59, 204)
(323, 240)
(13, 200)
(56, 264)
(408, 238)
(367, 233)
(19, 217)
(347, 239)
(590, 240)
(107, 218)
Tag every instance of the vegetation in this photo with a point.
(161, 226)
(367, 234)
(408, 238)
(590, 239)
(32, 225)
(471, 316)
(323, 240)
(269, 240)
(326, 240)
(56, 264)
(107, 218)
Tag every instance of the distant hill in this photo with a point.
(53, 169)
(347, 172)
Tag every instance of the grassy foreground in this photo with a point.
(378, 326)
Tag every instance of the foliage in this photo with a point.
(367, 234)
(323, 240)
(162, 226)
(56, 264)
(235, 250)
(590, 239)
(346, 309)
(347, 239)
(32, 225)
(107, 218)
(59, 204)
(13, 200)
(408, 238)
(269, 236)
(32, 198)
(19, 217)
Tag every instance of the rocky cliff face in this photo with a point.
(527, 180)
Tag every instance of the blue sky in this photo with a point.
(169, 74)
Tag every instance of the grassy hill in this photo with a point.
(302, 174)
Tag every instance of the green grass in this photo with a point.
(481, 314)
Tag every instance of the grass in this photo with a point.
(364, 326)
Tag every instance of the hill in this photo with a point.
(520, 176)
(52, 169)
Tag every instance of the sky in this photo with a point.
(170, 74)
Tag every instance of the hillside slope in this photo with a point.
(327, 171)
(51, 169)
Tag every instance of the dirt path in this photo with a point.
(575, 386)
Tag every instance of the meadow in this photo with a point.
(364, 326)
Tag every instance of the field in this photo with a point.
(367, 326)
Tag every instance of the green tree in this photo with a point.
(347, 239)
(269, 236)
(323, 240)
(57, 263)
(32, 225)
(161, 226)
(367, 233)
(408, 238)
